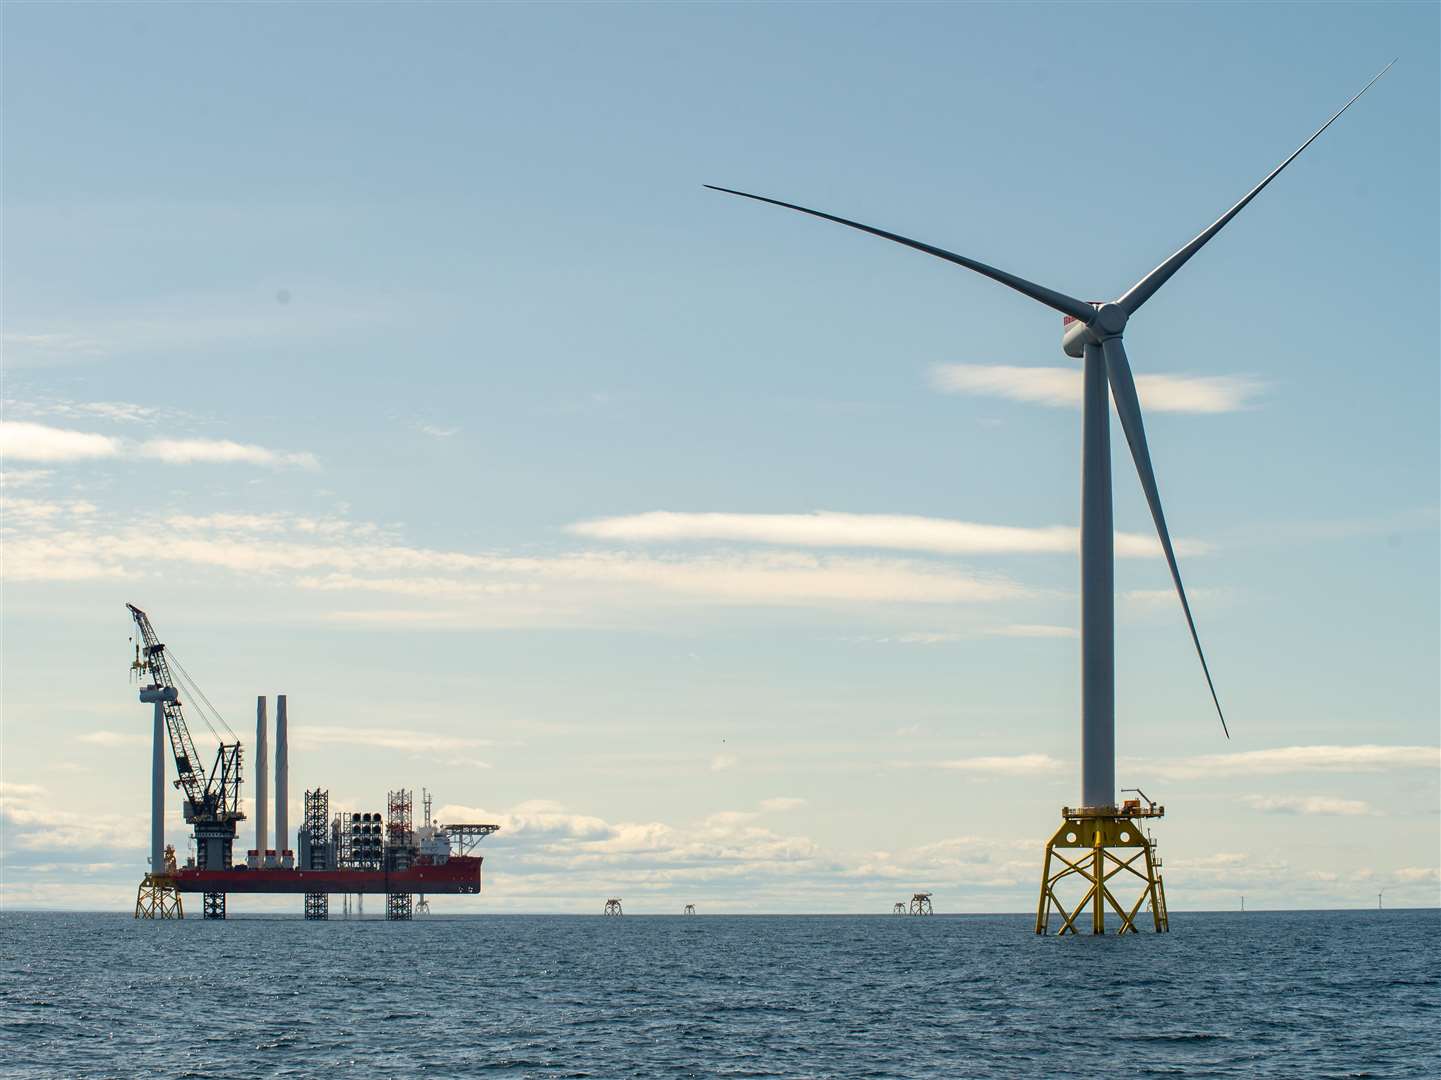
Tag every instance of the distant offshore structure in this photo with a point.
(351, 853)
(1098, 840)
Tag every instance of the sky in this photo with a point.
(394, 358)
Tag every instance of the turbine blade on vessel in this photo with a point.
(1128, 408)
(1067, 305)
(1142, 291)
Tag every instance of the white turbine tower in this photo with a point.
(1092, 333)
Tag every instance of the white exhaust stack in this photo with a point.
(282, 779)
(262, 765)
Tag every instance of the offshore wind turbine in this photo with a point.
(1092, 332)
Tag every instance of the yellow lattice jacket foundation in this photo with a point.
(1101, 860)
(157, 897)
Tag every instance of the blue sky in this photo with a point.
(395, 359)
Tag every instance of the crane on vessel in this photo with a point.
(212, 800)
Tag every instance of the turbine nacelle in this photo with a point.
(1108, 322)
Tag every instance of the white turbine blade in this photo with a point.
(1128, 408)
(1067, 305)
(1142, 291)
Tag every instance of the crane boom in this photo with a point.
(150, 659)
(212, 799)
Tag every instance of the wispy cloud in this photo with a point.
(414, 586)
(925, 637)
(1412, 874)
(382, 738)
(942, 536)
(339, 559)
(35, 820)
(59, 345)
(550, 850)
(1143, 602)
(20, 479)
(450, 749)
(122, 412)
(200, 320)
(1309, 804)
(951, 637)
(1006, 765)
(1034, 630)
(1285, 533)
(1061, 387)
(113, 738)
(1304, 759)
(22, 440)
(782, 802)
(221, 452)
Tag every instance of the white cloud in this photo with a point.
(902, 532)
(1061, 387)
(21, 440)
(722, 762)
(1304, 759)
(1006, 765)
(1309, 804)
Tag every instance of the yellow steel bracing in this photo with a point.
(158, 898)
(1093, 848)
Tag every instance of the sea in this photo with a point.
(1309, 994)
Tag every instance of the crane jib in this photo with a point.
(213, 799)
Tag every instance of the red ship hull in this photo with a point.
(459, 874)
